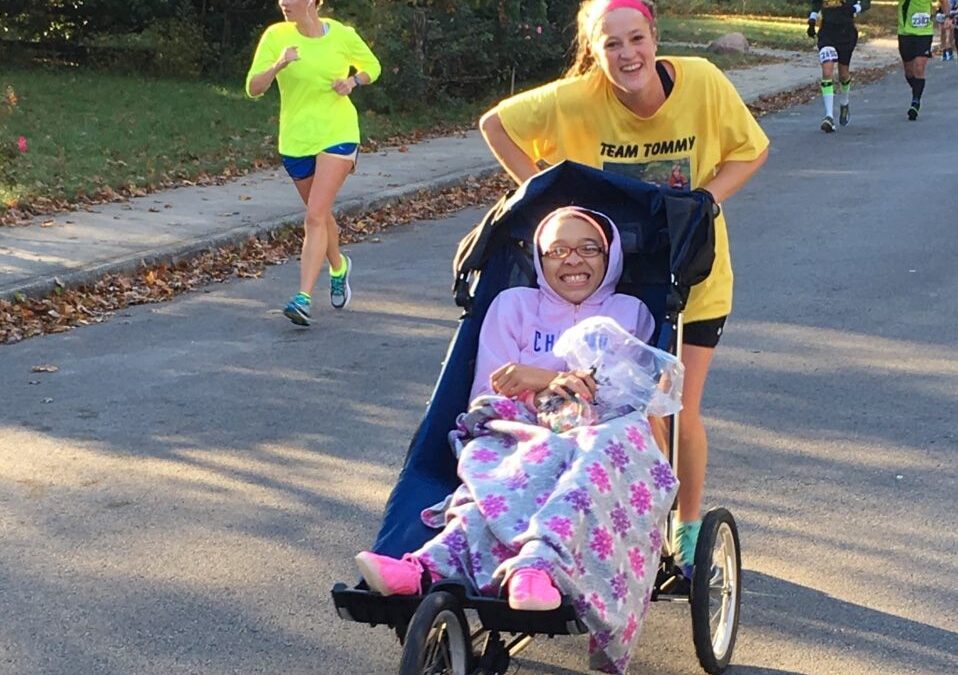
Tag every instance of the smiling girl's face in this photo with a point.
(577, 276)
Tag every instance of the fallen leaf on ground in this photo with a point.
(45, 368)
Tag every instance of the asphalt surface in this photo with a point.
(181, 495)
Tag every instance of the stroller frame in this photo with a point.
(668, 237)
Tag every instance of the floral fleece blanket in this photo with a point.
(587, 505)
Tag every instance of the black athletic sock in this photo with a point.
(910, 80)
(917, 87)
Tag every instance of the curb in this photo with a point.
(127, 264)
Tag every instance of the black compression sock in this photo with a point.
(917, 87)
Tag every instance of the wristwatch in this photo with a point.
(357, 81)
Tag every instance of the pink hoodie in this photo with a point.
(523, 324)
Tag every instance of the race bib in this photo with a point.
(827, 54)
(920, 20)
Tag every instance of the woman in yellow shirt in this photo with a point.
(311, 58)
(619, 108)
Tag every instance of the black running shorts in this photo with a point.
(842, 38)
(912, 46)
(703, 333)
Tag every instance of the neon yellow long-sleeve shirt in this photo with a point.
(312, 116)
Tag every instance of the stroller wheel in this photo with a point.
(716, 590)
(437, 640)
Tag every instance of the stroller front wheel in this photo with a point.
(437, 640)
(716, 590)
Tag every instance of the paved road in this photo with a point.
(181, 495)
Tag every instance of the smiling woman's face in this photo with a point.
(576, 277)
(293, 9)
(624, 44)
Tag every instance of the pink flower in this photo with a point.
(22, 144)
(561, 525)
(599, 477)
(506, 409)
(538, 453)
(539, 30)
(599, 605)
(630, 627)
(636, 437)
(637, 562)
(485, 455)
(601, 543)
(641, 498)
(493, 506)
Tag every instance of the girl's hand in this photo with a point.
(289, 55)
(344, 87)
(574, 383)
(513, 379)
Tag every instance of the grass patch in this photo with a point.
(91, 132)
(723, 61)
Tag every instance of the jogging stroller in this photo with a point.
(667, 238)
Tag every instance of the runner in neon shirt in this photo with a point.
(916, 28)
(311, 59)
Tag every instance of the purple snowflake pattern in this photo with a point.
(475, 562)
(455, 562)
(543, 566)
(622, 663)
(603, 638)
(602, 544)
(637, 562)
(456, 542)
(485, 455)
(617, 455)
(631, 626)
(579, 561)
(620, 586)
(580, 500)
(493, 506)
(599, 477)
(662, 476)
(537, 454)
(655, 538)
(521, 525)
(636, 437)
(543, 498)
(561, 525)
(640, 498)
(580, 605)
(501, 552)
(620, 520)
(517, 481)
(506, 409)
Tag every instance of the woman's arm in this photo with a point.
(732, 176)
(261, 82)
(519, 165)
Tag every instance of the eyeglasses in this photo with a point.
(563, 252)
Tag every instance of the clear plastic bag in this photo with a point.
(629, 374)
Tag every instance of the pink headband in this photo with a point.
(600, 9)
(578, 212)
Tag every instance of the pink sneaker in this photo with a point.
(391, 576)
(532, 589)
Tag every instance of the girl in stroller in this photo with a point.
(542, 512)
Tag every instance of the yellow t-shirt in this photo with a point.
(702, 124)
(312, 116)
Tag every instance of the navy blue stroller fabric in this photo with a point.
(668, 242)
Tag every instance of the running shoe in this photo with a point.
(339, 292)
(392, 576)
(913, 111)
(828, 125)
(843, 115)
(685, 538)
(297, 309)
(532, 589)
